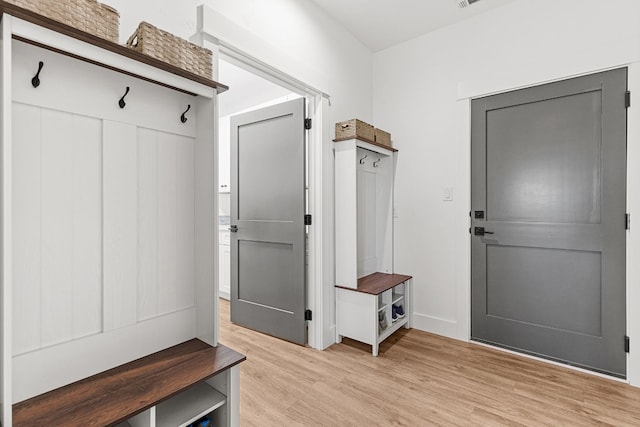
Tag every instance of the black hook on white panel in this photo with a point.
(121, 103)
(35, 81)
(375, 164)
(362, 159)
(183, 118)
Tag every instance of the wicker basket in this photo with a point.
(354, 128)
(382, 137)
(86, 15)
(171, 49)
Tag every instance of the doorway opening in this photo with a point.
(262, 289)
(239, 46)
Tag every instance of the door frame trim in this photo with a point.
(318, 296)
(491, 86)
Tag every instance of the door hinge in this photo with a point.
(469, 230)
(308, 315)
(627, 99)
(627, 221)
(307, 219)
(626, 344)
(307, 123)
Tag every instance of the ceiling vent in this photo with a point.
(465, 3)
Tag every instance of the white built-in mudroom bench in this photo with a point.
(109, 235)
(372, 301)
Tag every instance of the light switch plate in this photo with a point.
(447, 194)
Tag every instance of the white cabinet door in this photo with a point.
(224, 269)
(224, 156)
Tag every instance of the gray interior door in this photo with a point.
(549, 184)
(268, 288)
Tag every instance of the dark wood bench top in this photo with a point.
(113, 396)
(377, 283)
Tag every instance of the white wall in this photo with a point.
(422, 91)
(302, 31)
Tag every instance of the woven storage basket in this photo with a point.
(171, 49)
(86, 15)
(355, 128)
(382, 137)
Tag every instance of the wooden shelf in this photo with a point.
(368, 141)
(114, 396)
(396, 298)
(189, 406)
(377, 283)
(67, 30)
(391, 328)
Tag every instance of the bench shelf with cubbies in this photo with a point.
(173, 387)
(366, 314)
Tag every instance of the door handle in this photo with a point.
(480, 231)
(233, 229)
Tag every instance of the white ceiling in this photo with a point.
(380, 24)
(377, 23)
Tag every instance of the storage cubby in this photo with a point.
(358, 310)
(189, 406)
(366, 287)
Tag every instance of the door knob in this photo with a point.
(233, 229)
(480, 231)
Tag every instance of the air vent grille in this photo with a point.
(465, 3)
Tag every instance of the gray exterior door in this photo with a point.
(268, 286)
(549, 184)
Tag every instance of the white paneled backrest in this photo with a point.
(148, 196)
(375, 200)
(384, 213)
(57, 208)
(26, 227)
(6, 263)
(206, 208)
(185, 222)
(363, 207)
(104, 201)
(367, 211)
(346, 207)
(120, 224)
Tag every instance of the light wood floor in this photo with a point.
(418, 379)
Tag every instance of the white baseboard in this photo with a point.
(224, 295)
(435, 325)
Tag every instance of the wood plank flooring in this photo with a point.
(419, 379)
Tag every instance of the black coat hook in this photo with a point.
(183, 118)
(121, 103)
(362, 159)
(35, 81)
